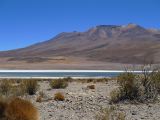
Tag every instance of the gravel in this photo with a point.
(82, 103)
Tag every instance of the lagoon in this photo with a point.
(60, 73)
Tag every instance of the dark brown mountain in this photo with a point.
(130, 43)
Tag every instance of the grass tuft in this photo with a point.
(39, 99)
(91, 86)
(59, 96)
(110, 114)
(59, 83)
(5, 87)
(30, 86)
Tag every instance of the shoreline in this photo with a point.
(46, 78)
(80, 74)
(116, 71)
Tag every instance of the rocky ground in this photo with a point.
(82, 103)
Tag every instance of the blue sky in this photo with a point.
(25, 22)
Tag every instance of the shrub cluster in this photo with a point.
(13, 88)
(142, 87)
(59, 83)
(94, 80)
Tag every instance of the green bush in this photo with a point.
(59, 83)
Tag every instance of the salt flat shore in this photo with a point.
(47, 78)
(66, 71)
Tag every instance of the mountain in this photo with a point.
(126, 44)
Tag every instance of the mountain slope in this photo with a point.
(130, 44)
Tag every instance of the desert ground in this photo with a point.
(86, 104)
(80, 99)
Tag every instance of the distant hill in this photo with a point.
(129, 44)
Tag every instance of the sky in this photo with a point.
(26, 22)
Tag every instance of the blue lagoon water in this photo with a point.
(59, 73)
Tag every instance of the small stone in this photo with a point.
(134, 113)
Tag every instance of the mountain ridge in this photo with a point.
(129, 44)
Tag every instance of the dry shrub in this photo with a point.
(85, 80)
(115, 96)
(30, 86)
(89, 80)
(110, 114)
(121, 116)
(150, 81)
(155, 77)
(39, 99)
(68, 79)
(18, 109)
(143, 87)
(101, 80)
(128, 86)
(5, 87)
(10, 88)
(104, 115)
(3, 106)
(59, 83)
(91, 86)
(42, 94)
(42, 97)
(59, 96)
(18, 91)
